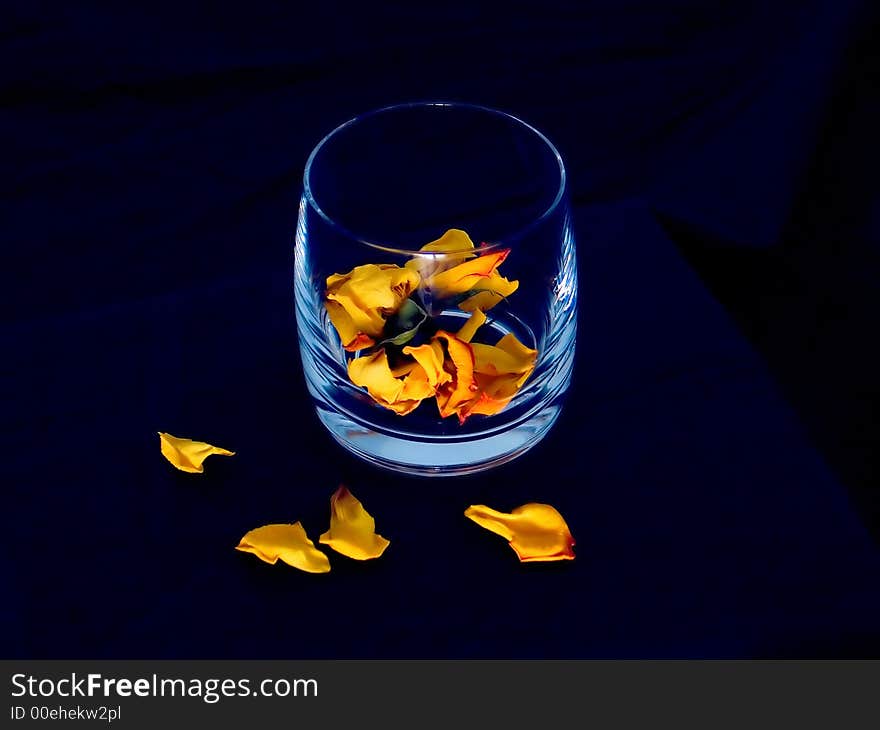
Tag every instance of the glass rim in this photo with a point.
(518, 233)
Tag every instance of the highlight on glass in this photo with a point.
(436, 286)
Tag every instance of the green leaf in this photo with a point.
(403, 325)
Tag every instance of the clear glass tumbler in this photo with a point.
(436, 286)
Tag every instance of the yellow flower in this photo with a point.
(186, 454)
(352, 529)
(359, 302)
(288, 543)
(536, 532)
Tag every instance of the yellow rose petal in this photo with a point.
(288, 543)
(352, 339)
(536, 532)
(453, 396)
(508, 357)
(454, 240)
(525, 357)
(352, 529)
(490, 291)
(485, 377)
(469, 329)
(401, 395)
(467, 276)
(417, 386)
(450, 248)
(186, 454)
(430, 358)
(403, 282)
(359, 302)
(499, 371)
(373, 373)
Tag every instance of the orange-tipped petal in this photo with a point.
(536, 532)
(288, 543)
(352, 340)
(485, 406)
(494, 393)
(360, 342)
(352, 529)
(364, 318)
(497, 374)
(186, 454)
(452, 396)
(467, 276)
(469, 329)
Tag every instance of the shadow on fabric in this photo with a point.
(810, 304)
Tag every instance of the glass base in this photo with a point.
(436, 457)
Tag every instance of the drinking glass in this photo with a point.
(436, 286)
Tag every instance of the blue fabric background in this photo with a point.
(717, 459)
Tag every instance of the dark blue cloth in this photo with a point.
(715, 461)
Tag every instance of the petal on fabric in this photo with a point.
(186, 454)
(352, 529)
(469, 329)
(536, 532)
(288, 543)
